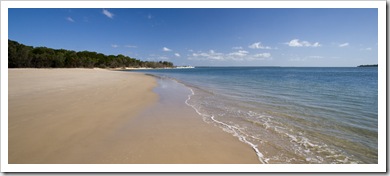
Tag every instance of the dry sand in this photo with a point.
(98, 116)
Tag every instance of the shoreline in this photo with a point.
(176, 134)
(61, 116)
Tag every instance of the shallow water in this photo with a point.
(290, 115)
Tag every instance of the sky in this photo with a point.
(311, 37)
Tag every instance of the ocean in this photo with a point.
(289, 114)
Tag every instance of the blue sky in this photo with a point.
(207, 37)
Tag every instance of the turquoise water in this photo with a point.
(290, 115)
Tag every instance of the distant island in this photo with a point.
(373, 65)
(22, 56)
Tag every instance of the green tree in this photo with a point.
(20, 55)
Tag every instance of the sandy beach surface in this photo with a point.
(87, 116)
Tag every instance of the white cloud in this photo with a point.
(70, 19)
(237, 47)
(114, 45)
(297, 43)
(260, 56)
(294, 43)
(166, 49)
(263, 55)
(316, 44)
(258, 45)
(177, 54)
(343, 44)
(149, 16)
(130, 46)
(211, 55)
(366, 49)
(240, 55)
(108, 14)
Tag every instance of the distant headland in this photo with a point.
(373, 65)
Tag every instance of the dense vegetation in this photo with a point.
(22, 56)
(374, 65)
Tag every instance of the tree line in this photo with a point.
(22, 56)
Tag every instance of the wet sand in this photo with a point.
(170, 132)
(86, 116)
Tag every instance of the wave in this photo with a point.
(245, 125)
(232, 130)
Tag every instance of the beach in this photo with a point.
(88, 116)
